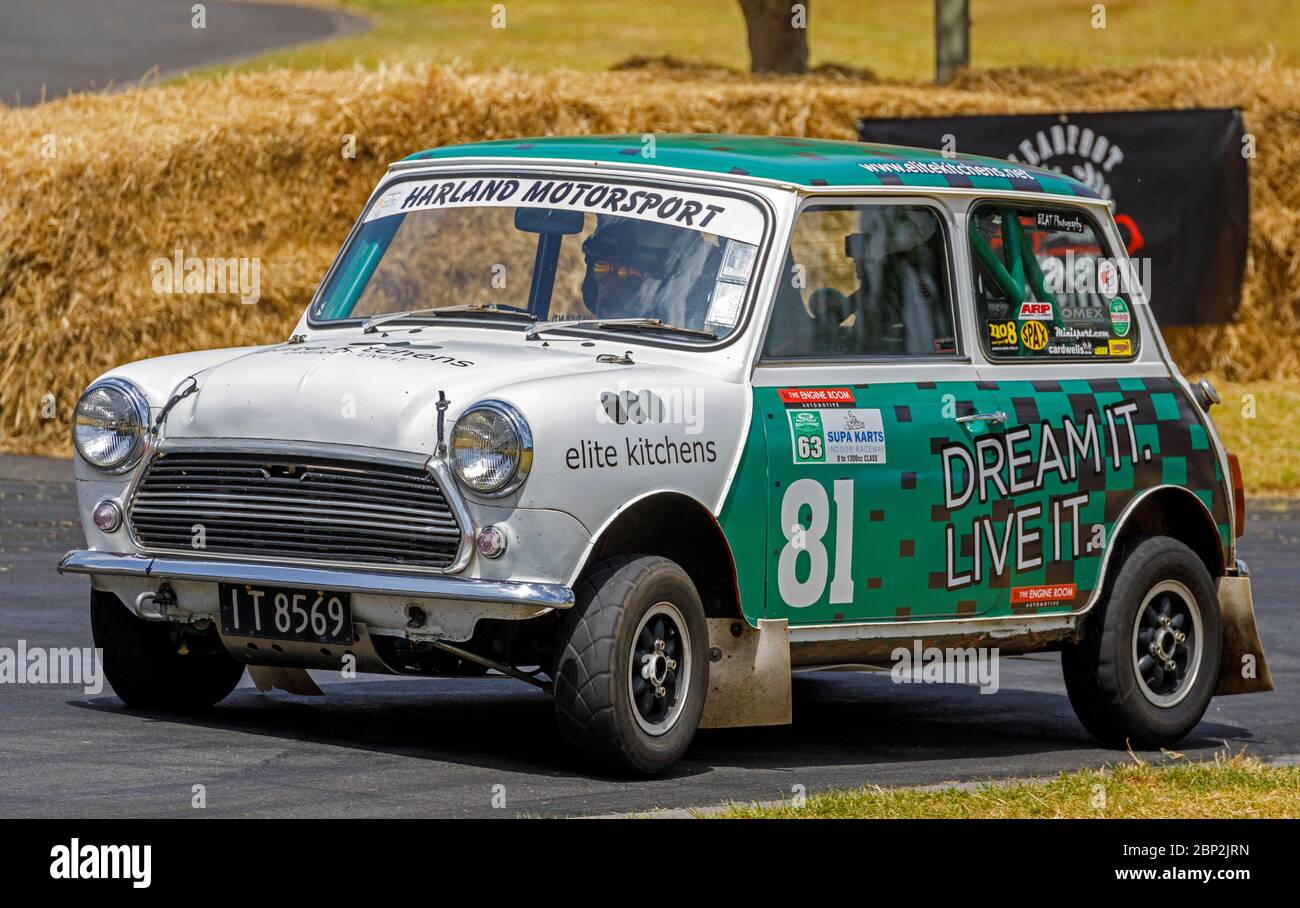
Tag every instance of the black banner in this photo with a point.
(1177, 179)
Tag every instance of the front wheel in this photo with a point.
(160, 665)
(1149, 662)
(633, 669)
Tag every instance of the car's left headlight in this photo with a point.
(110, 425)
(491, 448)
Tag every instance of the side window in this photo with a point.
(1046, 287)
(864, 280)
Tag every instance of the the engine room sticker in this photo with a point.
(840, 435)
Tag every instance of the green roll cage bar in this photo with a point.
(1020, 273)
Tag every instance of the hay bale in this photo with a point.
(251, 165)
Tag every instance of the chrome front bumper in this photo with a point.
(348, 580)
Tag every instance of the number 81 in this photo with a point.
(800, 539)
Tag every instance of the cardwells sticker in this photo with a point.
(816, 397)
(1038, 595)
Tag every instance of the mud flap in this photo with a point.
(289, 680)
(749, 674)
(1243, 669)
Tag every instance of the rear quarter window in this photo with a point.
(1047, 287)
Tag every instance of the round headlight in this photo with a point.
(109, 425)
(491, 448)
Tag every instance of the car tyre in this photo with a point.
(1148, 664)
(159, 664)
(632, 670)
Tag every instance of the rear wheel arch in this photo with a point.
(1171, 511)
(677, 527)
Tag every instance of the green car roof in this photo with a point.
(804, 162)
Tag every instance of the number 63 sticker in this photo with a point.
(837, 436)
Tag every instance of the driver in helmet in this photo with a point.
(624, 255)
(640, 269)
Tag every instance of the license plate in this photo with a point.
(311, 616)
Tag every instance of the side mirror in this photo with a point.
(550, 221)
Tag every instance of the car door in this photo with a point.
(1093, 419)
(867, 399)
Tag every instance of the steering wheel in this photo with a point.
(829, 308)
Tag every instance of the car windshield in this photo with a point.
(554, 249)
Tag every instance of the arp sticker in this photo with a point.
(1119, 317)
(1041, 312)
(1052, 594)
(1003, 335)
(1034, 335)
(837, 436)
(1120, 348)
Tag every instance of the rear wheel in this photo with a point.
(1149, 662)
(633, 667)
(160, 664)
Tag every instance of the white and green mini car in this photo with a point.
(652, 425)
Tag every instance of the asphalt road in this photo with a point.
(404, 747)
(57, 46)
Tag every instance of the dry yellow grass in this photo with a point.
(251, 165)
(1260, 423)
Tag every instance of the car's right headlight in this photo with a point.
(491, 448)
(110, 424)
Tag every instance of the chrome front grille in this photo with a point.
(298, 507)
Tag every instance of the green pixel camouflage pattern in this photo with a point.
(908, 544)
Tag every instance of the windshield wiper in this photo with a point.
(371, 325)
(619, 324)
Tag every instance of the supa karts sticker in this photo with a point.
(837, 436)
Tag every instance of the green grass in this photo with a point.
(894, 38)
(1237, 787)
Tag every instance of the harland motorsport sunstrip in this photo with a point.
(472, 452)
